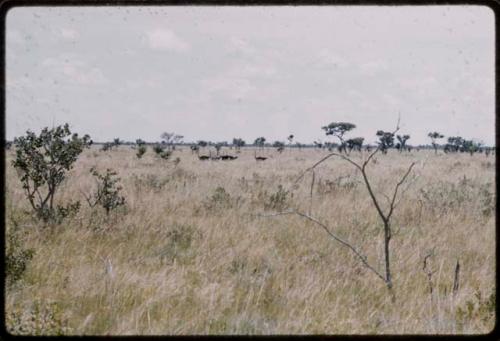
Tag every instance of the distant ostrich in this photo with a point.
(259, 158)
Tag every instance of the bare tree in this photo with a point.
(385, 215)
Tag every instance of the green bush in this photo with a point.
(16, 258)
(141, 150)
(107, 194)
(277, 201)
(161, 152)
(42, 161)
(218, 200)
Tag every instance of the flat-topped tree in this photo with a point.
(338, 129)
(386, 140)
(402, 142)
(260, 141)
(454, 144)
(435, 136)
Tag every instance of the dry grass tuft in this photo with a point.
(188, 256)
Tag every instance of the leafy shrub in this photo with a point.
(42, 161)
(107, 194)
(161, 152)
(277, 201)
(16, 258)
(42, 318)
(67, 211)
(447, 195)
(219, 199)
(141, 151)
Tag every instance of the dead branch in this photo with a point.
(362, 257)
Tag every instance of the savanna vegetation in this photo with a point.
(217, 238)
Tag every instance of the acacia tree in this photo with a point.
(170, 139)
(402, 141)
(386, 140)
(260, 141)
(338, 129)
(435, 136)
(42, 162)
(454, 144)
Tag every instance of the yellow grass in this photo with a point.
(184, 262)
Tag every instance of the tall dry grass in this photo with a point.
(187, 258)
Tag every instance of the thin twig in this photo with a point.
(396, 189)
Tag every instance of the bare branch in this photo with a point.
(311, 191)
(340, 240)
(324, 159)
(370, 156)
(396, 189)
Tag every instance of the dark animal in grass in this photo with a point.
(259, 158)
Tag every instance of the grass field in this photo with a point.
(191, 252)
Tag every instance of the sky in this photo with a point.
(215, 73)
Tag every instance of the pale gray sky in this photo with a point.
(215, 73)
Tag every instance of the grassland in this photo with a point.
(190, 254)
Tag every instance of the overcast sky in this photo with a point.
(215, 73)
